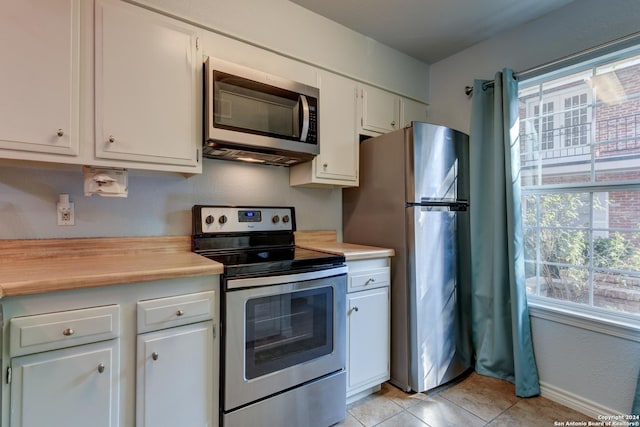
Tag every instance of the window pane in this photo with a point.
(617, 118)
(616, 250)
(565, 283)
(564, 210)
(556, 145)
(580, 176)
(617, 291)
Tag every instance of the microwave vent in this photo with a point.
(251, 156)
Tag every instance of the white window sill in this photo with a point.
(594, 319)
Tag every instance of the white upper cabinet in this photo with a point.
(412, 111)
(147, 94)
(380, 110)
(39, 84)
(337, 163)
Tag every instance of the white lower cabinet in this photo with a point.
(175, 376)
(176, 368)
(64, 368)
(72, 387)
(368, 331)
(126, 355)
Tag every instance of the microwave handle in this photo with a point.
(305, 118)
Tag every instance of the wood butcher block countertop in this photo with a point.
(325, 240)
(40, 266)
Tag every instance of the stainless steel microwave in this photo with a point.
(258, 117)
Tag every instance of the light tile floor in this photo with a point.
(473, 401)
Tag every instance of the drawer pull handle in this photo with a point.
(179, 313)
(68, 332)
(101, 368)
(371, 280)
(155, 355)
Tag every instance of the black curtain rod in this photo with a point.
(468, 90)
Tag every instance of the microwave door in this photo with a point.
(304, 132)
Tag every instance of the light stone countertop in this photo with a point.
(48, 265)
(37, 266)
(325, 240)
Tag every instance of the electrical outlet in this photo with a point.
(65, 211)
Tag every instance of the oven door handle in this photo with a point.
(285, 278)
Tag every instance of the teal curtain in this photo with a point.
(501, 331)
(635, 409)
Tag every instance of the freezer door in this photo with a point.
(440, 164)
(433, 300)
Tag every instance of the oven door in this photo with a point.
(282, 331)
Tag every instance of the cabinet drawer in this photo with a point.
(168, 312)
(368, 279)
(44, 332)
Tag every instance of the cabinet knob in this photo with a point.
(179, 313)
(155, 355)
(393, 124)
(101, 368)
(60, 132)
(68, 332)
(355, 308)
(325, 165)
(370, 280)
(112, 139)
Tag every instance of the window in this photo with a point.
(580, 176)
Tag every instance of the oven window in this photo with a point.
(288, 329)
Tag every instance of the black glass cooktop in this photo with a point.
(271, 261)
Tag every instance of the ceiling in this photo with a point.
(431, 30)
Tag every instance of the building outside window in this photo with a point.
(580, 176)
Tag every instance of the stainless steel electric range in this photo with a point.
(283, 319)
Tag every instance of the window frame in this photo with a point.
(588, 316)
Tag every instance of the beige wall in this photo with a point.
(583, 368)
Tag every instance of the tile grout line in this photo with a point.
(472, 413)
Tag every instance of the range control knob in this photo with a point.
(285, 219)
(209, 219)
(275, 219)
(222, 219)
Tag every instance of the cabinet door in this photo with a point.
(337, 163)
(146, 86)
(412, 111)
(380, 110)
(175, 377)
(72, 387)
(39, 42)
(338, 158)
(368, 339)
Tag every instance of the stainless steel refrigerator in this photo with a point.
(413, 197)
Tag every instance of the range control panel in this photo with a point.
(240, 219)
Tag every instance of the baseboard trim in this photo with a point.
(575, 402)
